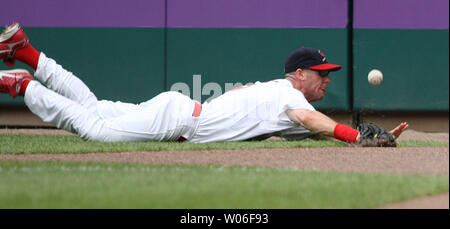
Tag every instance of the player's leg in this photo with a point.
(69, 115)
(14, 45)
(63, 82)
(74, 107)
(56, 109)
(165, 117)
(109, 109)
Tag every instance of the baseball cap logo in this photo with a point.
(323, 55)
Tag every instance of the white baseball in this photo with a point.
(375, 77)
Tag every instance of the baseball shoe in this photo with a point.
(12, 39)
(11, 81)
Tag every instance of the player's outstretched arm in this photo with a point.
(319, 123)
(314, 121)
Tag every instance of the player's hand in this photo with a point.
(371, 135)
(399, 129)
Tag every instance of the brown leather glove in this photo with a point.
(372, 135)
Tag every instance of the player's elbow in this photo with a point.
(315, 121)
(307, 118)
(304, 117)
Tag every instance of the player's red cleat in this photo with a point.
(14, 81)
(12, 39)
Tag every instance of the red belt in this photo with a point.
(195, 113)
(197, 110)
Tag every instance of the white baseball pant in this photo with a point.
(70, 105)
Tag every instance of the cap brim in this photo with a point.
(328, 67)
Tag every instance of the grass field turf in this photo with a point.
(52, 184)
(35, 144)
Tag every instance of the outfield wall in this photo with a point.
(408, 40)
(135, 50)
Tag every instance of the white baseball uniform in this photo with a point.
(239, 114)
(250, 111)
(70, 105)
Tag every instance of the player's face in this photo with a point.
(315, 85)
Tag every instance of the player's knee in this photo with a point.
(98, 132)
(98, 137)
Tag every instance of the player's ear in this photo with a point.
(300, 74)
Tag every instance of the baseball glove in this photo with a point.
(372, 135)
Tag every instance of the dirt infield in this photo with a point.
(422, 160)
(404, 160)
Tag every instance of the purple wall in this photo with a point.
(84, 13)
(401, 14)
(257, 13)
(181, 13)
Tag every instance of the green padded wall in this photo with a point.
(248, 55)
(415, 68)
(132, 57)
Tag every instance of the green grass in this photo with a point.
(55, 185)
(51, 144)
(52, 184)
(413, 143)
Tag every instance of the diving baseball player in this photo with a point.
(243, 113)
